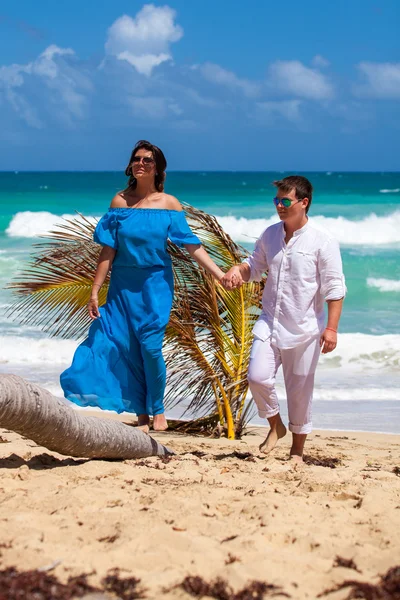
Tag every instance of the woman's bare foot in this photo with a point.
(160, 422)
(277, 431)
(144, 423)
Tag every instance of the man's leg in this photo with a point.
(299, 366)
(264, 363)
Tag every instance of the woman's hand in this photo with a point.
(232, 278)
(93, 307)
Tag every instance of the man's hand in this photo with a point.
(328, 341)
(232, 278)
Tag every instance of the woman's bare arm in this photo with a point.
(104, 263)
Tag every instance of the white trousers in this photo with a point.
(298, 366)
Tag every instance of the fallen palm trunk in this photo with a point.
(34, 413)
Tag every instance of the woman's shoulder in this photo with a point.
(119, 201)
(171, 203)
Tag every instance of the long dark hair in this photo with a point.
(159, 159)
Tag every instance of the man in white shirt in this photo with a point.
(304, 271)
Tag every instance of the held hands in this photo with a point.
(232, 278)
(328, 341)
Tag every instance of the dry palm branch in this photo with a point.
(208, 338)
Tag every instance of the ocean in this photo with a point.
(357, 386)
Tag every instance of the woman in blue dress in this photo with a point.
(120, 365)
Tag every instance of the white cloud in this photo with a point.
(144, 41)
(154, 107)
(46, 65)
(288, 109)
(217, 74)
(382, 80)
(143, 64)
(58, 88)
(22, 107)
(292, 77)
(12, 75)
(320, 61)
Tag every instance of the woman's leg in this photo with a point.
(156, 375)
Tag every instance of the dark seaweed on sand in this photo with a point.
(37, 585)
(220, 589)
(346, 563)
(388, 588)
(126, 589)
(323, 461)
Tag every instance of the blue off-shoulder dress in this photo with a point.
(120, 365)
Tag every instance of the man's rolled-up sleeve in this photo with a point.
(257, 261)
(330, 266)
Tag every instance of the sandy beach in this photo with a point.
(216, 509)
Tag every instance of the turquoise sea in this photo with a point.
(358, 386)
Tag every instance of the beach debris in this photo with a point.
(220, 589)
(396, 471)
(322, 461)
(128, 588)
(372, 466)
(232, 559)
(388, 587)
(39, 585)
(229, 539)
(346, 563)
(35, 414)
(197, 453)
(244, 456)
(50, 567)
(110, 539)
(247, 456)
(359, 502)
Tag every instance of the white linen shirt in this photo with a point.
(302, 274)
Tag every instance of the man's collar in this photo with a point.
(298, 231)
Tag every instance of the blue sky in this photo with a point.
(218, 85)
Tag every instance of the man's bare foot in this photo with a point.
(160, 422)
(296, 459)
(296, 462)
(144, 423)
(275, 433)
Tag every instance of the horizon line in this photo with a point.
(323, 171)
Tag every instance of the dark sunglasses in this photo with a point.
(286, 202)
(147, 160)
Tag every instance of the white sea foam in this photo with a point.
(30, 224)
(345, 394)
(384, 285)
(358, 352)
(394, 191)
(370, 231)
(26, 350)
